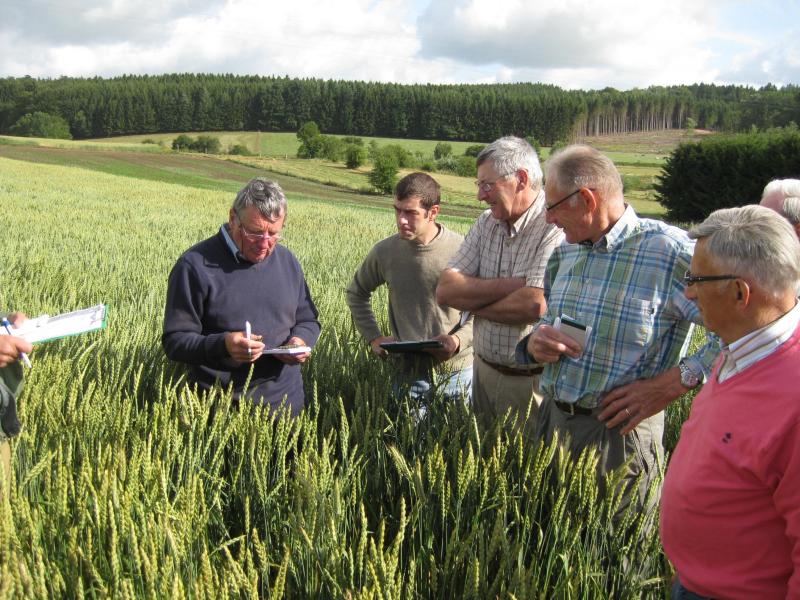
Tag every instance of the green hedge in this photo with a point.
(699, 178)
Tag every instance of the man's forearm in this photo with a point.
(193, 348)
(521, 307)
(465, 292)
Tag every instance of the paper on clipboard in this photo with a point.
(288, 350)
(45, 328)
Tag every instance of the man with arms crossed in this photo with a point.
(241, 275)
(730, 512)
(623, 277)
(498, 275)
(410, 263)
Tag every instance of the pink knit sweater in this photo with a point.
(730, 509)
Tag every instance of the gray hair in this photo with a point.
(509, 154)
(753, 242)
(579, 166)
(791, 209)
(266, 195)
(789, 189)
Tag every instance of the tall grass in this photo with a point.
(126, 484)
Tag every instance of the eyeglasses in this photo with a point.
(564, 199)
(259, 237)
(486, 186)
(690, 279)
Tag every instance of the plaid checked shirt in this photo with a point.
(629, 288)
(492, 250)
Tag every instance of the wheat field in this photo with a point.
(127, 485)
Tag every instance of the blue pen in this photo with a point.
(25, 360)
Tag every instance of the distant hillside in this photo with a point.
(100, 107)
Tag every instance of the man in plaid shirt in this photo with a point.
(619, 280)
(498, 275)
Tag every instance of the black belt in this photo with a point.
(572, 409)
(513, 372)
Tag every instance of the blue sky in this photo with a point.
(570, 43)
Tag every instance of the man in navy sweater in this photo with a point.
(242, 275)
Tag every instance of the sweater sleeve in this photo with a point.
(465, 336)
(182, 336)
(306, 323)
(366, 280)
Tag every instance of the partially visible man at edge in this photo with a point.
(498, 275)
(409, 263)
(10, 387)
(240, 275)
(730, 513)
(623, 276)
(783, 196)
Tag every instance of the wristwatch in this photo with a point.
(688, 378)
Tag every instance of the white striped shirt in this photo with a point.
(757, 345)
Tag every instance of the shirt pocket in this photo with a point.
(637, 317)
(619, 322)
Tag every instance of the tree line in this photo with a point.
(720, 172)
(99, 107)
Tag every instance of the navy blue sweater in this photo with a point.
(210, 293)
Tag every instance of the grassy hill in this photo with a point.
(638, 156)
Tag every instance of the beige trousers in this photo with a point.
(641, 452)
(493, 394)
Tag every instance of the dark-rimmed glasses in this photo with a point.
(690, 279)
(564, 199)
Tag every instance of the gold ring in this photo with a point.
(627, 411)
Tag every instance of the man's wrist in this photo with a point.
(689, 378)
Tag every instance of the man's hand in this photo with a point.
(376, 345)
(17, 319)
(241, 349)
(450, 345)
(547, 344)
(631, 404)
(10, 348)
(293, 359)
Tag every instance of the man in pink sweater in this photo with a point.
(730, 512)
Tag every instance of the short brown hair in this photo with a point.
(419, 185)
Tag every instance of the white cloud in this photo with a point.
(571, 43)
(622, 41)
(777, 62)
(86, 22)
(347, 39)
